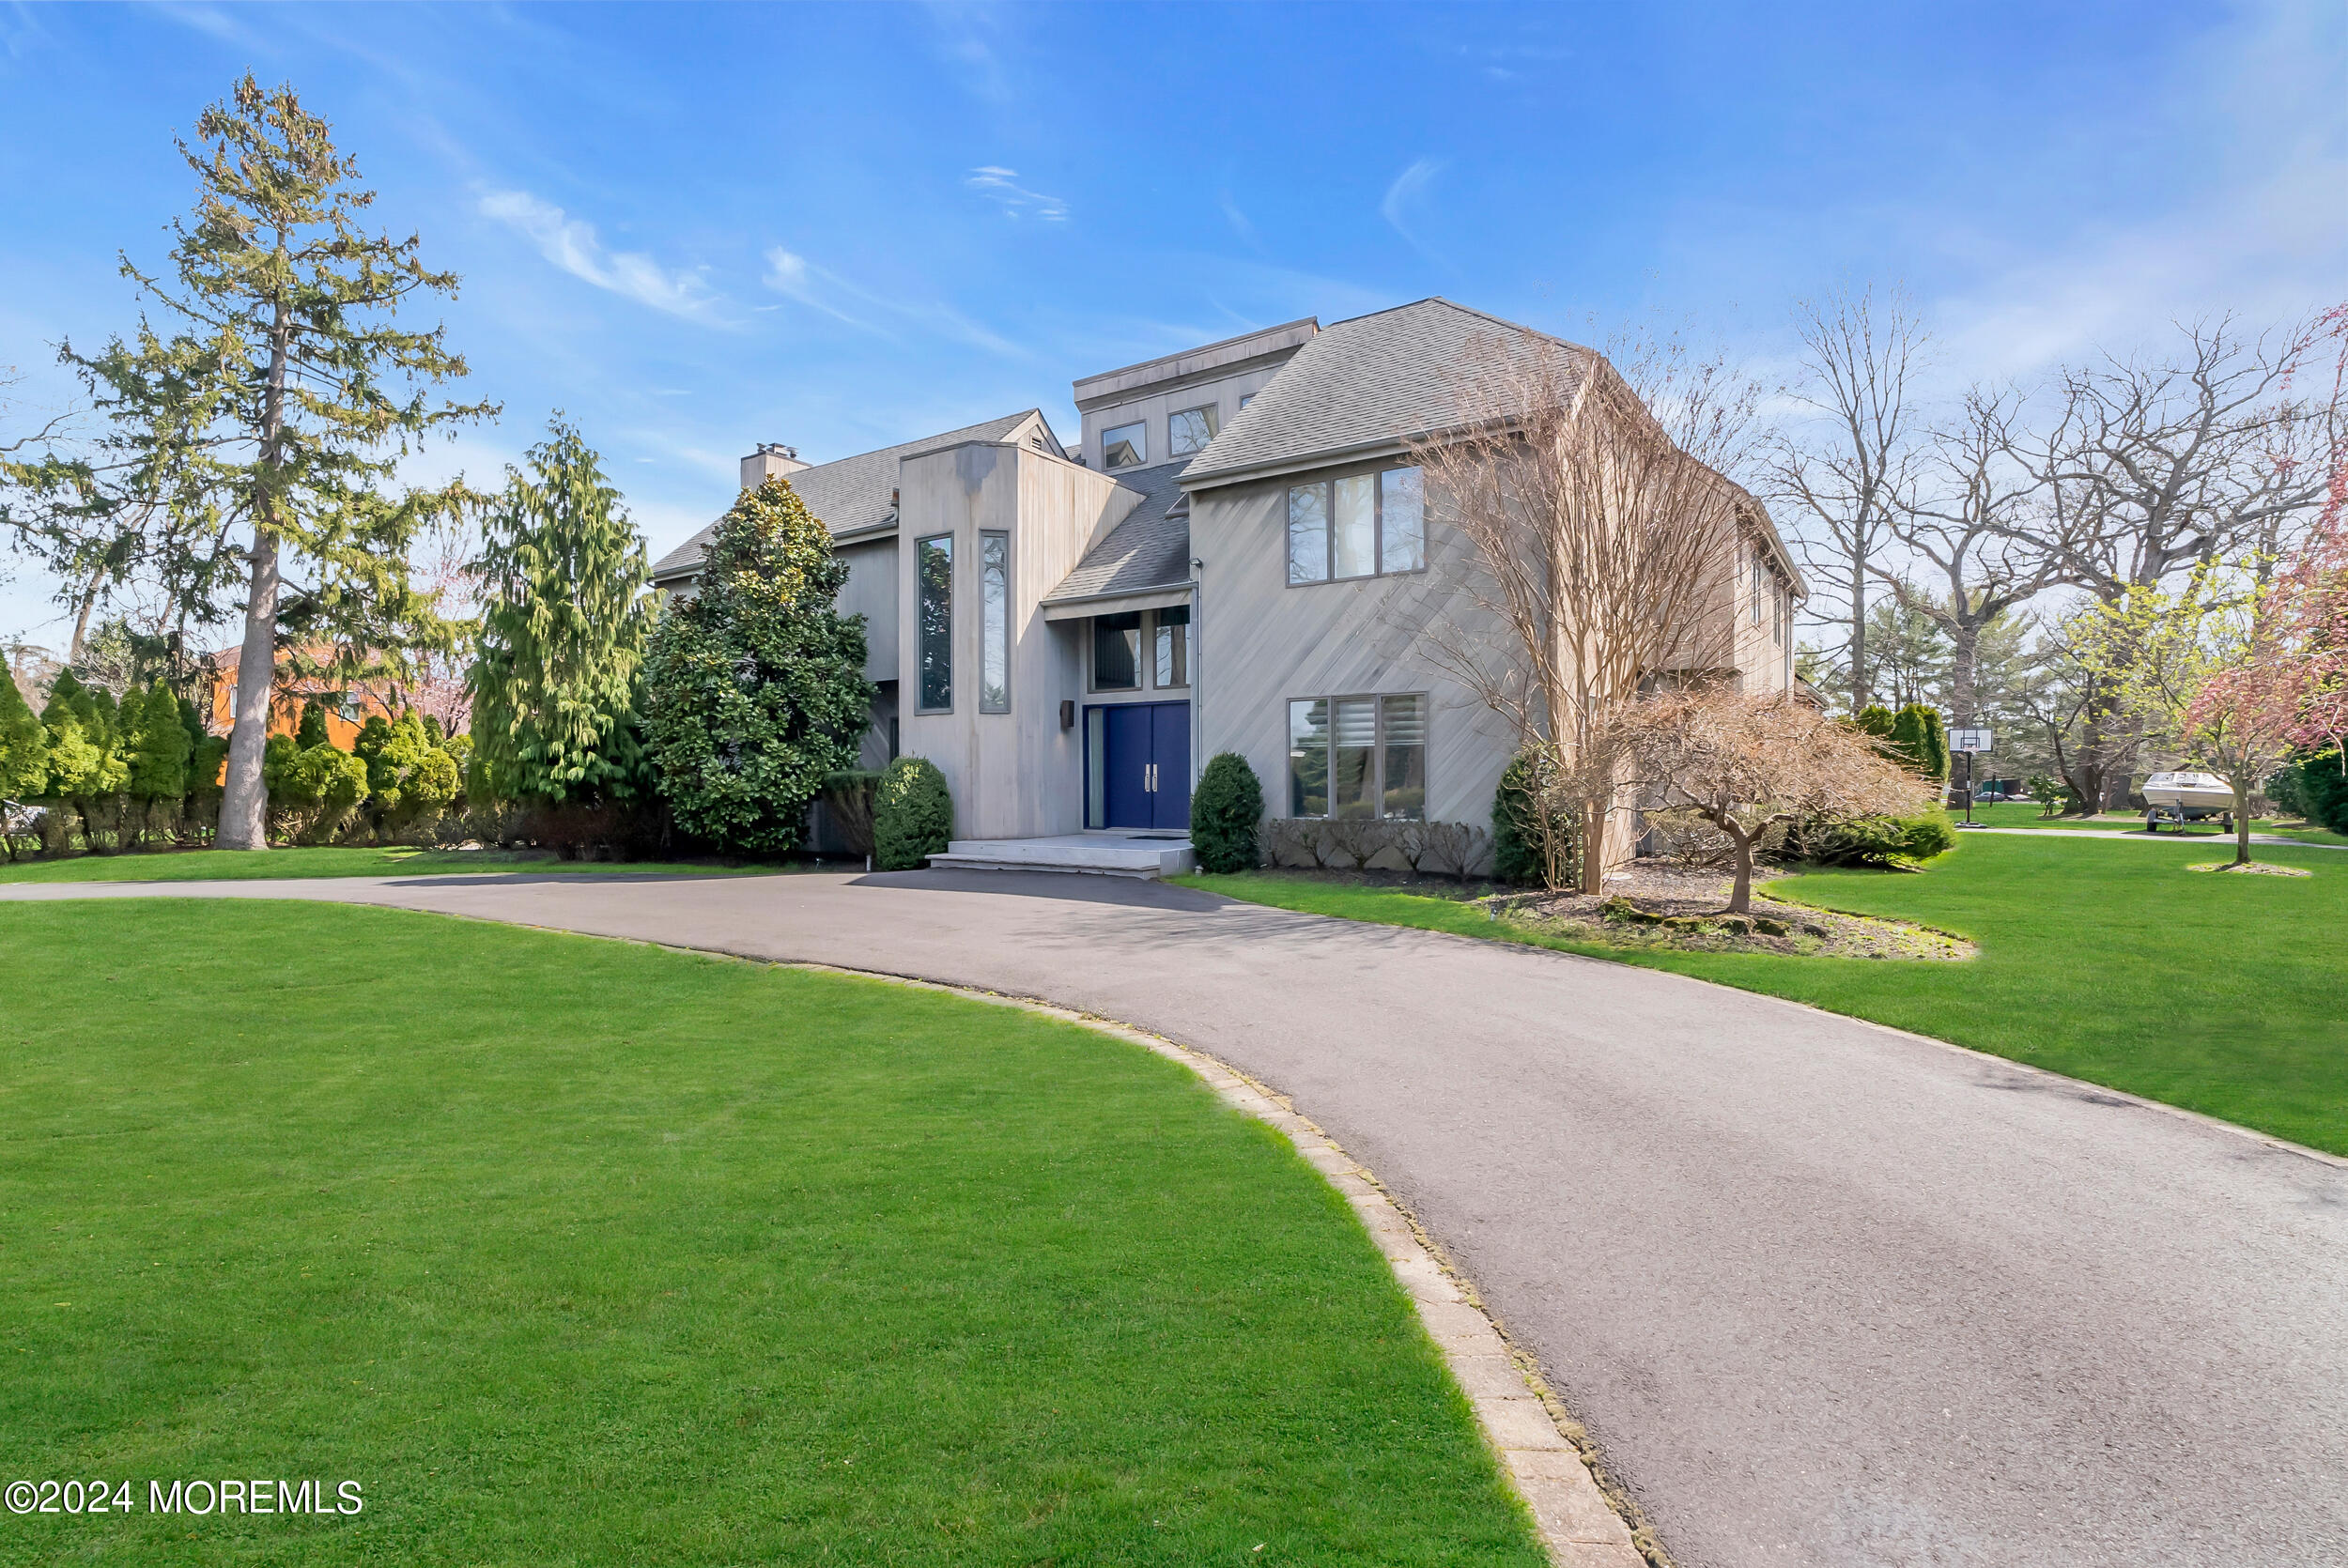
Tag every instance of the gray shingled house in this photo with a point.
(1237, 556)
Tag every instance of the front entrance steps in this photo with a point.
(1099, 855)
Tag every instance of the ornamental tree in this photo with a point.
(559, 672)
(1746, 761)
(754, 687)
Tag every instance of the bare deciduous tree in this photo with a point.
(1746, 762)
(1605, 542)
(1845, 474)
(1973, 523)
(2159, 465)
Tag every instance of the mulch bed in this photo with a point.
(1649, 904)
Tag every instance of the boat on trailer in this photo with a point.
(2187, 797)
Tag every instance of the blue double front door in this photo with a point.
(1145, 765)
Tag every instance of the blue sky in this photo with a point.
(696, 228)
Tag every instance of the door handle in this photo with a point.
(1149, 778)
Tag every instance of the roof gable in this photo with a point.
(854, 494)
(1374, 381)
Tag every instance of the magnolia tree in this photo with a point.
(1746, 761)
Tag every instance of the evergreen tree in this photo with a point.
(277, 418)
(1225, 811)
(558, 676)
(754, 687)
(24, 744)
(311, 731)
(1876, 719)
(155, 745)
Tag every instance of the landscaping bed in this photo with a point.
(1653, 905)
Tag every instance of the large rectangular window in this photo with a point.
(1189, 430)
(934, 621)
(1116, 651)
(1358, 757)
(994, 622)
(1361, 526)
(1173, 646)
(1124, 446)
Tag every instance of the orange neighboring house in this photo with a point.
(347, 707)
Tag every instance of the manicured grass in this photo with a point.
(578, 1252)
(2024, 814)
(2103, 960)
(329, 861)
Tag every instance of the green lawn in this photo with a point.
(2103, 960)
(2023, 814)
(331, 861)
(578, 1253)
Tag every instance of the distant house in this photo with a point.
(348, 706)
(1234, 557)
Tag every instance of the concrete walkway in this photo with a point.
(1827, 1293)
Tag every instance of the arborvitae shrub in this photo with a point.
(1224, 811)
(913, 815)
(1517, 836)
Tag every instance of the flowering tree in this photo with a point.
(1746, 762)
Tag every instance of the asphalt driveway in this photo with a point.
(1825, 1294)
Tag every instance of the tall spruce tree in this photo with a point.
(284, 407)
(754, 687)
(557, 679)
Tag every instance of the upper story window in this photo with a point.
(1757, 587)
(1246, 398)
(1361, 526)
(1171, 638)
(995, 619)
(1116, 651)
(934, 590)
(1124, 446)
(1190, 430)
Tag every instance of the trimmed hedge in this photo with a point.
(913, 815)
(1223, 812)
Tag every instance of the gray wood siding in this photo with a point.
(871, 593)
(1016, 774)
(1262, 642)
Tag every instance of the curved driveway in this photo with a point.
(1827, 1293)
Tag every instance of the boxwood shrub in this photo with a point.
(1223, 812)
(913, 815)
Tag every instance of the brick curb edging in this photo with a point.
(1542, 1450)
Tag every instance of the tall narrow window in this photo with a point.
(1116, 651)
(1757, 587)
(994, 617)
(1124, 446)
(1308, 534)
(1403, 756)
(1352, 752)
(1173, 646)
(1190, 430)
(1353, 527)
(935, 621)
(1309, 759)
(1402, 522)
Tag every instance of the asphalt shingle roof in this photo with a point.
(1149, 549)
(1360, 383)
(852, 494)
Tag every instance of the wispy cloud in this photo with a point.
(1408, 191)
(570, 243)
(1239, 220)
(828, 293)
(1002, 186)
(213, 24)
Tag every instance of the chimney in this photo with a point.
(772, 460)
